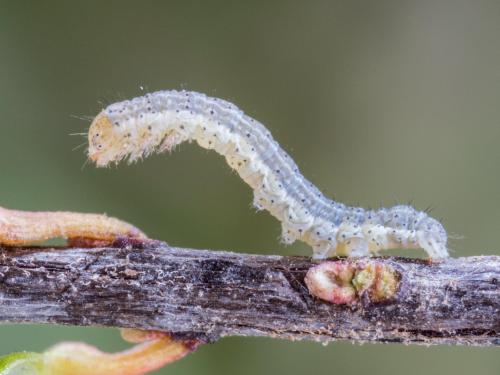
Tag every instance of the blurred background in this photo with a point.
(378, 102)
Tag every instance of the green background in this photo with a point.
(379, 102)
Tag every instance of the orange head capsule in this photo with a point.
(102, 141)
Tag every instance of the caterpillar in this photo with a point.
(158, 121)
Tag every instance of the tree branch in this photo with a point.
(210, 294)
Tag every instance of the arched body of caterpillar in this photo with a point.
(159, 121)
(18, 228)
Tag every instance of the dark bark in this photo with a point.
(210, 294)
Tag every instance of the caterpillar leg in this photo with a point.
(433, 245)
(153, 351)
(172, 139)
(352, 241)
(355, 240)
(18, 228)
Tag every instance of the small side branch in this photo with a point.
(206, 295)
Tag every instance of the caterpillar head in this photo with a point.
(103, 143)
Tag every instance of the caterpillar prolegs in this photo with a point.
(159, 121)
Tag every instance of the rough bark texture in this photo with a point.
(211, 294)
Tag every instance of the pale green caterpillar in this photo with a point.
(158, 121)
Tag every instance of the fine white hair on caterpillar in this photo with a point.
(159, 121)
